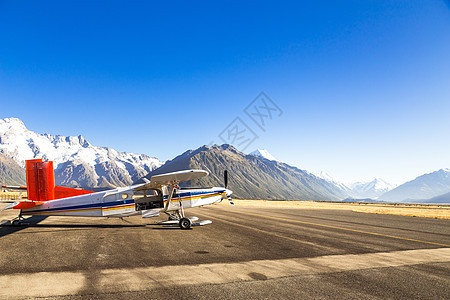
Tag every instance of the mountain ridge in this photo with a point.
(250, 176)
(263, 153)
(77, 162)
(361, 190)
(425, 186)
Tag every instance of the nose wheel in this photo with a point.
(185, 223)
(177, 217)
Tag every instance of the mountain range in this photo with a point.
(423, 187)
(361, 190)
(77, 163)
(251, 176)
(257, 175)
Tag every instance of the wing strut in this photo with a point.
(169, 198)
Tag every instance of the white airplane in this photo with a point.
(159, 195)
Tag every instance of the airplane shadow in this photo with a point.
(34, 221)
(9, 229)
(85, 226)
(169, 228)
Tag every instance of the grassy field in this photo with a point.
(414, 210)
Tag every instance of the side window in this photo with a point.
(146, 193)
(109, 198)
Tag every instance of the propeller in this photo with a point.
(225, 180)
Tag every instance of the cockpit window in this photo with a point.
(146, 193)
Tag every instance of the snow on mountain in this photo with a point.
(360, 190)
(263, 153)
(341, 185)
(69, 153)
(372, 189)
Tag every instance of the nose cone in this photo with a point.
(229, 192)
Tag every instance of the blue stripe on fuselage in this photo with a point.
(84, 206)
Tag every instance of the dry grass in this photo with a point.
(437, 213)
(414, 210)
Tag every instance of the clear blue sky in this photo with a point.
(364, 86)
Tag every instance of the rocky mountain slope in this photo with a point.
(250, 176)
(10, 172)
(423, 187)
(77, 163)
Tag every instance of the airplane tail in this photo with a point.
(41, 182)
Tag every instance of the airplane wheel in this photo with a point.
(185, 223)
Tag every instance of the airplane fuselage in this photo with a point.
(122, 202)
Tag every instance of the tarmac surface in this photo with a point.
(246, 253)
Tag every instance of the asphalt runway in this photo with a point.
(246, 253)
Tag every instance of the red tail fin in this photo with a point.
(40, 180)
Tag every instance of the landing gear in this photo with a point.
(177, 217)
(16, 222)
(19, 221)
(173, 216)
(185, 223)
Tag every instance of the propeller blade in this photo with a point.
(231, 201)
(225, 178)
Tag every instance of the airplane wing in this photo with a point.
(172, 178)
(14, 187)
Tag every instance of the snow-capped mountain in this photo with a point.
(360, 190)
(372, 189)
(423, 187)
(263, 153)
(76, 161)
